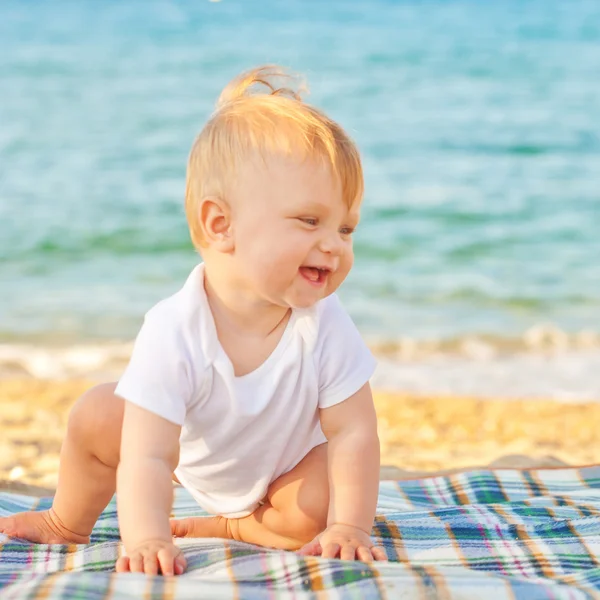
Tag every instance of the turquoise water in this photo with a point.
(479, 125)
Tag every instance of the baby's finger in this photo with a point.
(136, 563)
(180, 564)
(166, 560)
(122, 565)
(348, 552)
(330, 550)
(150, 564)
(379, 553)
(363, 553)
(311, 549)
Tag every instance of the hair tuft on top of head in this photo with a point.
(273, 79)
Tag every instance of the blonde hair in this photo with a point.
(277, 122)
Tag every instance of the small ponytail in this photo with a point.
(271, 77)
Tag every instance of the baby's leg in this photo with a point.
(294, 512)
(86, 481)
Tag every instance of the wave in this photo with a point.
(93, 361)
(545, 362)
(124, 242)
(541, 339)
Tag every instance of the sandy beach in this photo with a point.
(418, 434)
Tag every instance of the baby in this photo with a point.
(249, 386)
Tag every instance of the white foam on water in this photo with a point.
(568, 376)
(96, 361)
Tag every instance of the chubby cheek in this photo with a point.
(347, 260)
(273, 267)
(344, 268)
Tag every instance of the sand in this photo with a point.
(418, 435)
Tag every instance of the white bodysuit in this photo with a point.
(241, 433)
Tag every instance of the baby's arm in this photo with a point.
(353, 469)
(149, 455)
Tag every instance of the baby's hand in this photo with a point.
(151, 557)
(346, 541)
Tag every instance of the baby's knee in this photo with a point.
(97, 414)
(306, 524)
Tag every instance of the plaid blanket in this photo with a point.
(481, 534)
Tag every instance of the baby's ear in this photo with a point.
(214, 217)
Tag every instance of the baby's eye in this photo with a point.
(309, 221)
(347, 230)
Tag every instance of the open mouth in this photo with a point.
(315, 275)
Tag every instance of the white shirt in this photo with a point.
(241, 433)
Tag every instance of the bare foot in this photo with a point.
(41, 527)
(201, 527)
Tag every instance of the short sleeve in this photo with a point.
(345, 363)
(157, 377)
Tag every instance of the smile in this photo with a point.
(315, 275)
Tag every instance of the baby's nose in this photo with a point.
(332, 244)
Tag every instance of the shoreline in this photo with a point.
(419, 434)
(565, 374)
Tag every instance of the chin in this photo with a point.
(305, 302)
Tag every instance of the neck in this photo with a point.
(233, 306)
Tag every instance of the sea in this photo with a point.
(478, 256)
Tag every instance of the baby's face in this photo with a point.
(292, 231)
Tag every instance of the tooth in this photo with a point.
(311, 273)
